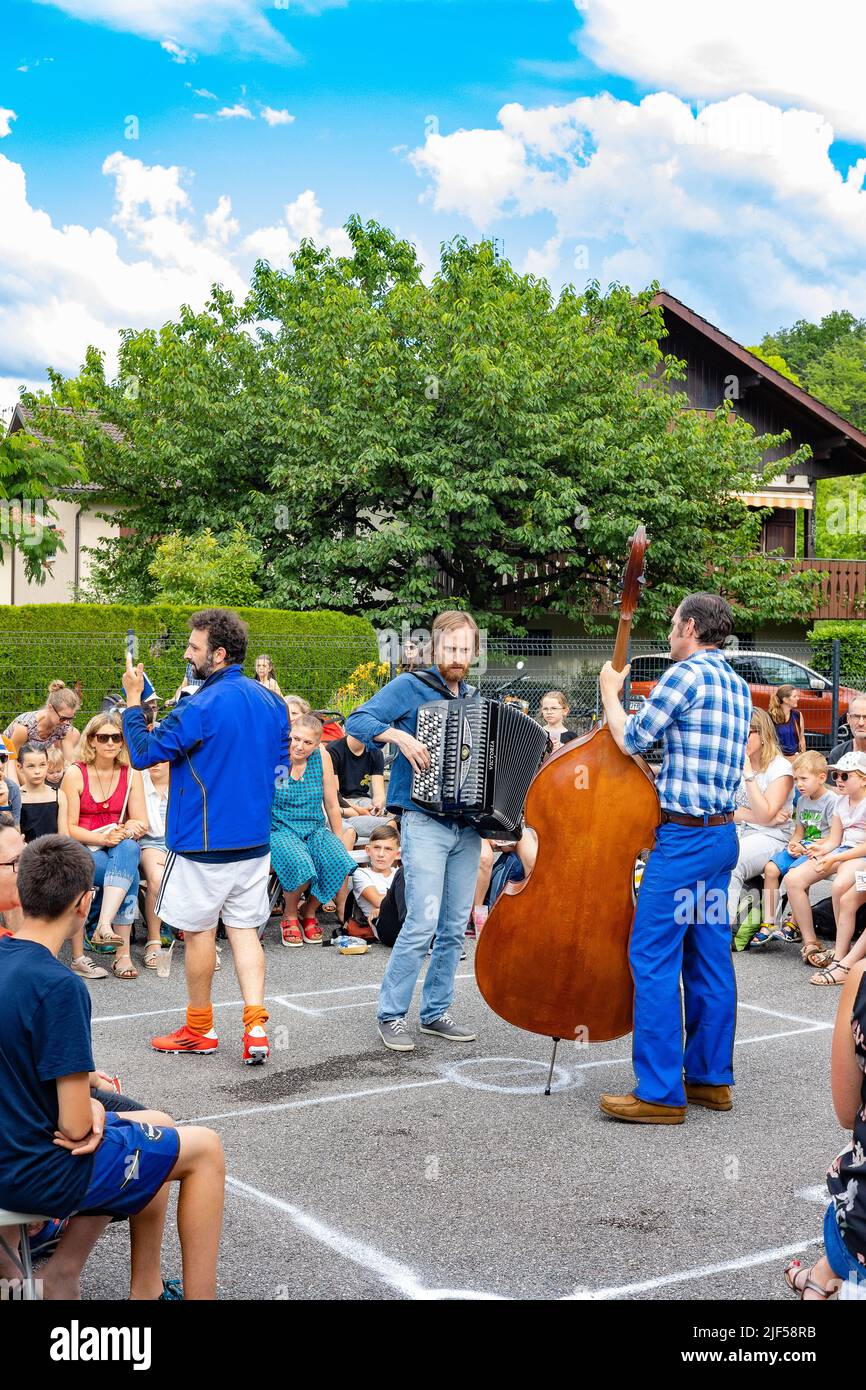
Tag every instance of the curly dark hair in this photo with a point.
(224, 629)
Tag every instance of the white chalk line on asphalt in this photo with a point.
(239, 1003)
(384, 1268)
(279, 1105)
(789, 1018)
(684, 1276)
(405, 1281)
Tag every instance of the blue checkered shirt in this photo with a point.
(701, 709)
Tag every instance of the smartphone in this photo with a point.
(129, 644)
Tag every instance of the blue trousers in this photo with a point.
(681, 932)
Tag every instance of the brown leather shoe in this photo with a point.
(711, 1097)
(642, 1112)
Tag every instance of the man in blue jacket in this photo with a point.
(440, 854)
(217, 825)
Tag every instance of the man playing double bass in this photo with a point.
(701, 709)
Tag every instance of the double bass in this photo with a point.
(553, 955)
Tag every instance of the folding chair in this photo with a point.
(24, 1263)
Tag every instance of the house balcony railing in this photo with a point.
(842, 594)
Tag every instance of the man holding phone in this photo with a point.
(218, 825)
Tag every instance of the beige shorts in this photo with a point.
(194, 895)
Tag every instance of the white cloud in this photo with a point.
(203, 92)
(6, 119)
(792, 52)
(232, 113)
(208, 25)
(739, 210)
(176, 53)
(62, 288)
(303, 218)
(276, 117)
(220, 224)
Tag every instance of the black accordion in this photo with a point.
(483, 756)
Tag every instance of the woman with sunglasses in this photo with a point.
(100, 789)
(48, 727)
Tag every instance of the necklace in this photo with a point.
(102, 790)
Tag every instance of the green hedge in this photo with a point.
(313, 653)
(852, 649)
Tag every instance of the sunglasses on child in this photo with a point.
(108, 738)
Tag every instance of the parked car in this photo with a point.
(764, 672)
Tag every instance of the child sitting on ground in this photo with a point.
(834, 851)
(372, 886)
(61, 1153)
(813, 812)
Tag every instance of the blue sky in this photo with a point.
(597, 138)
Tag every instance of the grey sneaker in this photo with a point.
(445, 1027)
(396, 1035)
(87, 970)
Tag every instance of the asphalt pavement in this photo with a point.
(355, 1172)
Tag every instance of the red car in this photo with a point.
(764, 672)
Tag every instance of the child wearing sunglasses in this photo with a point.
(839, 853)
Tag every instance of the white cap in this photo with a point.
(850, 762)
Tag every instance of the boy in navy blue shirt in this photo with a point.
(61, 1153)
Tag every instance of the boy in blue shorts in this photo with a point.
(61, 1153)
(813, 813)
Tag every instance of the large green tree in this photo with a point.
(830, 358)
(390, 444)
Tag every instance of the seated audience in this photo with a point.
(265, 673)
(10, 793)
(813, 811)
(360, 775)
(153, 853)
(56, 766)
(838, 853)
(763, 813)
(306, 850)
(63, 1153)
(101, 791)
(296, 705)
(372, 886)
(48, 727)
(502, 861)
(788, 720)
(554, 712)
(842, 1267)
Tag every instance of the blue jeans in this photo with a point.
(440, 863)
(843, 1264)
(681, 930)
(117, 867)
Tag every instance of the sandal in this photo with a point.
(826, 976)
(151, 954)
(793, 1268)
(124, 972)
(815, 955)
(104, 936)
(311, 931)
(765, 934)
(290, 930)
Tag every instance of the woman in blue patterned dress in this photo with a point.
(307, 855)
(842, 1267)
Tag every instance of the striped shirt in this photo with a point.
(701, 710)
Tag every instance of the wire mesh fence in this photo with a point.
(330, 672)
(340, 673)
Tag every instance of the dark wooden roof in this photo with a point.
(766, 399)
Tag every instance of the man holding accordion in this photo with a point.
(440, 853)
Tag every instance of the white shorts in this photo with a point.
(194, 894)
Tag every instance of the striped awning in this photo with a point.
(787, 501)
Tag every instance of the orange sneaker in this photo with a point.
(186, 1040)
(256, 1049)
